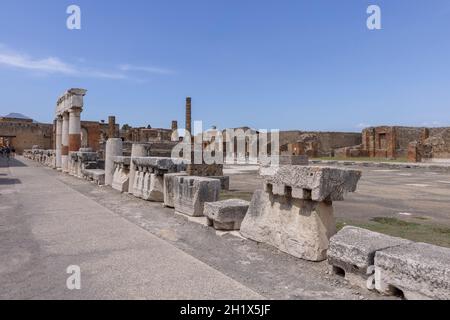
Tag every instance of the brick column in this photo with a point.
(74, 129)
(189, 115)
(112, 127)
(175, 130)
(65, 142)
(58, 142)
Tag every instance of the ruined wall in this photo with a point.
(96, 133)
(142, 135)
(25, 135)
(390, 142)
(316, 143)
(437, 147)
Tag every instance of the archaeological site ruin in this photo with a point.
(293, 211)
(225, 159)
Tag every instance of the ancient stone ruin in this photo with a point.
(294, 213)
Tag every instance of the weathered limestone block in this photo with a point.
(160, 165)
(294, 213)
(298, 227)
(95, 175)
(169, 188)
(191, 193)
(224, 182)
(149, 176)
(139, 180)
(79, 161)
(311, 182)
(352, 251)
(153, 189)
(418, 270)
(121, 173)
(227, 214)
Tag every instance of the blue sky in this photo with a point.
(285, 64)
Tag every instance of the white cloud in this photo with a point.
(51, 65)
(155, 70)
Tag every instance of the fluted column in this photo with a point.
(58, 142)
(74, 129)
(65, 142)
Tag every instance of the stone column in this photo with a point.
(137, 150)
(113, 149)
(58, 142)
(74, 129)
(65, 142)
(112, 127)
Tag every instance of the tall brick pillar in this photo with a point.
(74, 129)
(189, 115)
(65, 142)
(190, 166)
(175, 130)
(112, 127)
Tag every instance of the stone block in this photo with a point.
(153, 188)
(224, 182)
(95, 175)
(121, 179)
(169, 188)
(191, 193)
(416, 270)
(301, 228)
(160, 165)
(138, 185)
(310, 182)
(352, 251)
(227, 214)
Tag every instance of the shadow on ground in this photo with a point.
(5, 163)
(7, 181)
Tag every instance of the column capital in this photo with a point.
(75, 110)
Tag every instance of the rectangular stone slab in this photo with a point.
(153, 188)
(310, 182)
(227, 214)
(163, 164)
(121, 179)
(169, 188)
(352, 251)
(191, 193)
(419, 270)
(301, 228)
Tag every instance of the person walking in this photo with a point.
(7, 152)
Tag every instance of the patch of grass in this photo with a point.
(362, 159)
(393, 222)
(419, 232)
(420, 218)
(230, 194)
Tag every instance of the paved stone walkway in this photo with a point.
(46, 226)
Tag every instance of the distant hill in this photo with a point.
(15, 115)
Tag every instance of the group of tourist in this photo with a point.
(7, 152)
